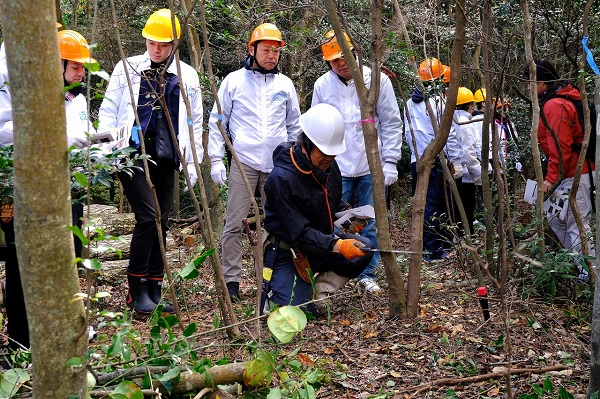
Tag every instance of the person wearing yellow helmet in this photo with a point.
(259, 110)
(337, 88)
(156, 84)
(468, 135)
(419, 132)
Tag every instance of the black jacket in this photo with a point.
(301, 201)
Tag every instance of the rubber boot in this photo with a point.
(233, 288)
(155, 294)
(326, 284)
(137, 296)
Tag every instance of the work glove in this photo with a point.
(390, 172)
(477, 181)
(458, 171)
(350, 248)
(217, 172)
(78, 141)
(191, 169)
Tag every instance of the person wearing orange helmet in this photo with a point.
(337, 87)
(419, 132)
(259, 110)
(74, 53)
(156, 82)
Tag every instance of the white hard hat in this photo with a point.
(324, 126)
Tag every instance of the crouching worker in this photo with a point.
(303, 192)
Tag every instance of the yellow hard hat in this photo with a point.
(159, 28)
(266, 31)
(465, 96)
(479, 95)
(74, 47)
(331, 48)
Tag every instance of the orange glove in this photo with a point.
(349, 248)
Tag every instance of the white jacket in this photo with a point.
(260, 111)
(78, 123)
(423, 130)
(343, 96)
(468, 139)
(117, 115)
(478, 124)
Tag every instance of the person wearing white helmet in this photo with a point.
(336, 87)
(154, 78)
(303, 192)
(259, 110)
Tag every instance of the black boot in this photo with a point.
(137, 296)
(233, 287)
(155, 294)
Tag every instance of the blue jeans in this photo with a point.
(358, 191)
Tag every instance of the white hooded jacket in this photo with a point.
(423, 130)
(117, 118)
(76, 111)
(330, 89)
(468, 138)
(260, 111)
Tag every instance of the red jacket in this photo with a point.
(562, 118)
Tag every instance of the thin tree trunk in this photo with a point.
(42, 200)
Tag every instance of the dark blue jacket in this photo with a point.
(301, 201)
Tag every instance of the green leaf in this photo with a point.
(11, 382)
(285, 322)
(275, 393)
(81, 178)
(92, 264)
(258, 371)
(548, 387)
(74, 361)
(169, 378)
(189, 271)
(126, 390)
(445, 340)
(564, 394)
(190, 329)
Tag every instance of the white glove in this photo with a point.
(458, 171)
(391, 173)
(191, 169)
(477, 181)
(78, 141)
(218, 173)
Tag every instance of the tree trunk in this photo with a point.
(368, 100)
(42, 199)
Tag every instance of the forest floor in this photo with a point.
(448, 351)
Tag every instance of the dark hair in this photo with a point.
(463, 107)
(545, 72)
(304, 142)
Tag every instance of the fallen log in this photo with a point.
(499, 374)
(217, 375)
(189, 381)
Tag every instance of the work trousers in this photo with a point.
(145, 257)
(566, 228)
(287, 286)
(361, 188)
(16, 313)
(436, 235)
(238, 205)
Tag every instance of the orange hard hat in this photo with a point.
(331, 48)
(74, 47)
(446, 73)
(266, 31)
(431, 69)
